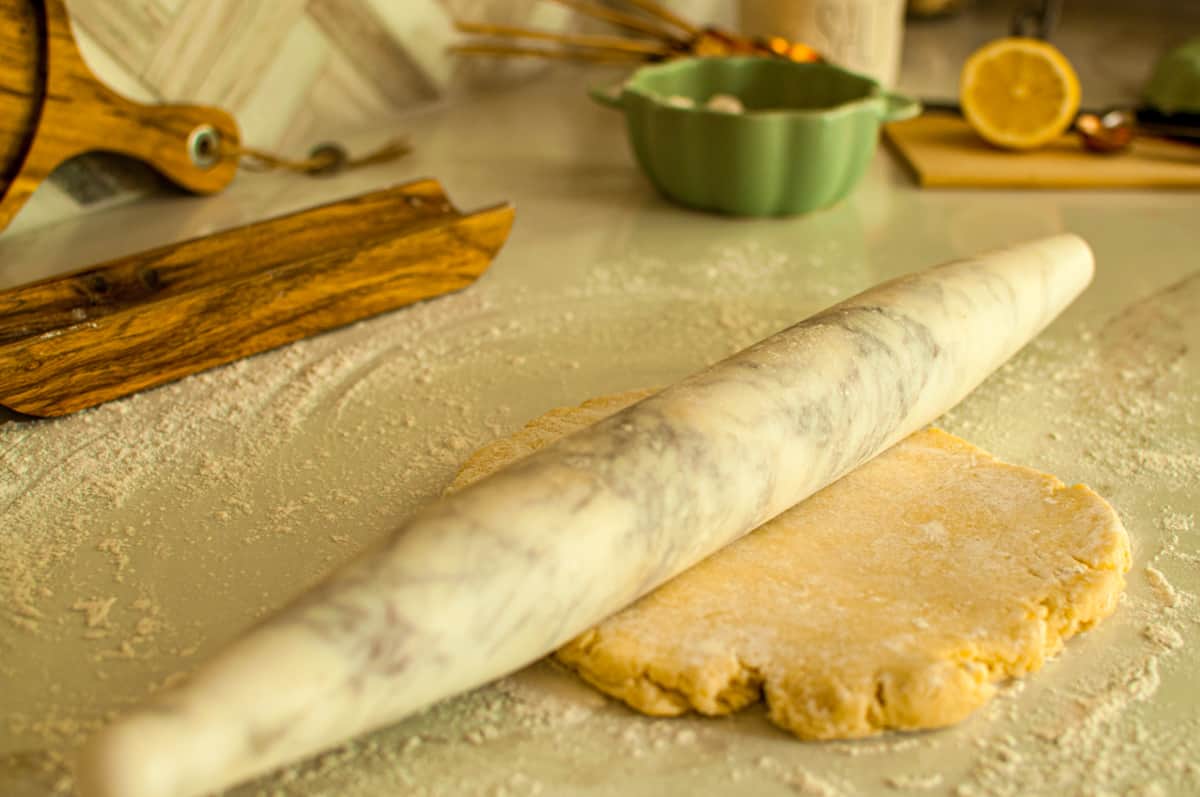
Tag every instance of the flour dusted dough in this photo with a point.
(894, 598)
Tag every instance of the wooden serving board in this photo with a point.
(944, 152)
(53, 108)
(78, 340)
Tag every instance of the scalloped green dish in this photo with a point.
(802, 143)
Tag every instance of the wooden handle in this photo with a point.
(22, 84)
(193, 146)
(53, 108)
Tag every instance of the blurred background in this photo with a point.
(298, 72)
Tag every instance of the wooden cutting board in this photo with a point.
(944, 152)
(53, 108)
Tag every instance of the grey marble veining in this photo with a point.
(493, 577)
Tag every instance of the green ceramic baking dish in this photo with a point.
(803, 141)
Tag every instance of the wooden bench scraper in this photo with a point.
(75, 341)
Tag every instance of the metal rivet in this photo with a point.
(204, 146)
(334, 155)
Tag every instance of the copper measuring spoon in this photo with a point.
(1114, 129)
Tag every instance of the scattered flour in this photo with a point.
(1121, 408)
(914, 782)
(73, 494)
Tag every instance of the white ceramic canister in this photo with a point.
(861, 35)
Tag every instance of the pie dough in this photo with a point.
(894, 598)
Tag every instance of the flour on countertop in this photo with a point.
(1112, 404)
(188, 478)
(914, 782)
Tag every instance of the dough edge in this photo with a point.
(929, 694)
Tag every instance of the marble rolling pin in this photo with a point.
(493, 577)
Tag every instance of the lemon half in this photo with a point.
(1019, 93)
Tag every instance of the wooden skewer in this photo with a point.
(615, 43)
(621, 19)
(508, 50)
(655, 10)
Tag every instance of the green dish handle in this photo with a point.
(609, 96)
(897, 107)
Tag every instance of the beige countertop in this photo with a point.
(138, 537)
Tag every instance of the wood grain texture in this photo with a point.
(150, 318)
(87, 294)
(71, 112)
(20, 84)
(943, 152)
